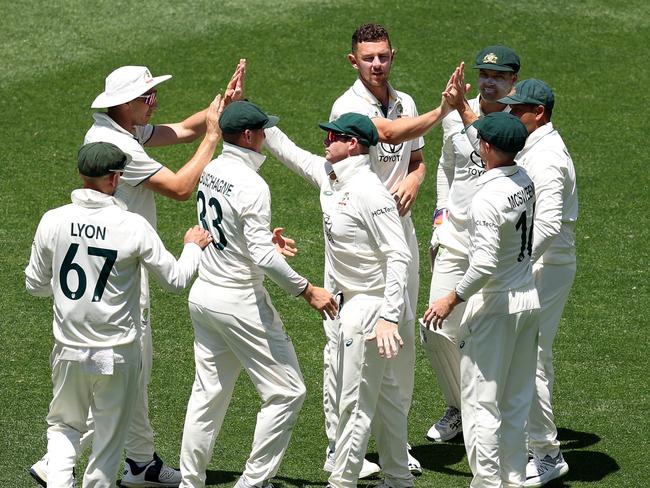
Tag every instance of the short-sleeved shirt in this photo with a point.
(131, 190)
(389, 161)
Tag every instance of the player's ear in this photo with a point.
(393, 52)
(353, 61)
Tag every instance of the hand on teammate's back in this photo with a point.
(198, 235)
(322, 300)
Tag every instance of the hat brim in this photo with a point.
(515, 100)
(272, 122)
(329, 126)
(495, 67)
(104, 100)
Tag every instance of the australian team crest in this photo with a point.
(399, 109)
(490, 58)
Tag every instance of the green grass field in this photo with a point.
(594, 53)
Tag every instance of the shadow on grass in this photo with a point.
(439, 456)
(220, 477)
(584, 465)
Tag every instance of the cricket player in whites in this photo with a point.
(398, 162)
(459, 168)
(368, 258)
(498, 336)
(130, 99)
(88, 255)
(235, 323)
(547, 161)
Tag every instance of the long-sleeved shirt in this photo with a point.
(500, 220)
(549, 165)
(459, 168)
(234, 204)
(88, 255)
(365, 245)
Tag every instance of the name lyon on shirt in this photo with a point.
(522, 196)
(88, 231)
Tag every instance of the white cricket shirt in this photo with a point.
(459, 168)
(88, 255)
(500, 219)
(549, 165)
(131, 190)
(389, 161)
(365, 247)
(234, 204)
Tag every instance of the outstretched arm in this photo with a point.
(195, 125)
(180, 185)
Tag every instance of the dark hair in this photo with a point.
(369, 33)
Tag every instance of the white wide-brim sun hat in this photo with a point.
(125, 84)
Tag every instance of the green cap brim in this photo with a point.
(515, 100)
(494, 67)
(272, 122)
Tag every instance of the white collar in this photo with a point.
(85, 197)
(500, 172)
(348, 167)
(394, 101)
(102, 118)
(251, 158)
(537, 136)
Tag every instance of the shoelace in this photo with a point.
(447, 418)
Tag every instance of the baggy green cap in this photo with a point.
(531, 92)
(502, 130)
(242, 115)
(498, 58)
(101, 158)
(354, 125)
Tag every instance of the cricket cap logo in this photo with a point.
(490, 58)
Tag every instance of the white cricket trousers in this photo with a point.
(139, 443)
(254, 339)
(553, 282)
(369, 392)
(110, 399)
(497, 382)
(441, 345)
(404, 363)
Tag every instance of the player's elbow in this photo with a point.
(390, 136)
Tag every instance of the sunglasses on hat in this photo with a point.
(149, 99)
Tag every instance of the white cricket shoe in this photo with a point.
(541, 471)
(368, 469)
(156, 473)
(414, 465)
(39, 471)
(447, 427)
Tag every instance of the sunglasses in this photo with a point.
(334, 136)
(149, 99)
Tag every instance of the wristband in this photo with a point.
(388, 320)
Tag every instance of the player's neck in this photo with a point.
(381, 93)
(490, 107)
(121, 118)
